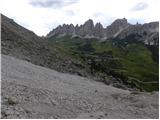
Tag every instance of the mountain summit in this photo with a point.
(116, 27)
(119, 28)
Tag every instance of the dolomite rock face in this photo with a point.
(88, 29)
(147, 33)
(65, 29)
(120, 29)
(116, 27)
(99, 31)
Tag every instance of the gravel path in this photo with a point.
(30, 91)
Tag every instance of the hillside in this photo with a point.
(31, 91)
(128, 60)
(21, 43)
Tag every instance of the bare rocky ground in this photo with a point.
(30, 91)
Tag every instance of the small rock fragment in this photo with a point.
(12, 100)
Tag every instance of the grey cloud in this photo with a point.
(140, 6)
(52, 3)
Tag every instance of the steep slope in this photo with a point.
(24, 44)
(30, 91)
(129, 62)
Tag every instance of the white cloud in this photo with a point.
(44, 17)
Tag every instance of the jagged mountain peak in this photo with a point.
(116, 27)
(119, 28)
(89, 29)
(89, 21)
(98, 25)
(148, 33)
(86, 29)
(120, 21)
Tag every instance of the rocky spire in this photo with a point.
(119, 28)
(116, 27)
(99, 30)
(87, 28)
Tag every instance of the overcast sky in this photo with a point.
(41, 16)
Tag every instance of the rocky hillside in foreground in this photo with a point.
(120, 28)
(33, 92)
(21, 43)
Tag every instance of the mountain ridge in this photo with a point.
(91, 30)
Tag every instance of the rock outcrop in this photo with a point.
(147, 33)
(64, 29)
(120, 28)
(116, 27)
(88, 29)
(83, 30)
(99, 31)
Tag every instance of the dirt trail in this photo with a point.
(39, 92)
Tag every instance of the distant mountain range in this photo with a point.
(120, 28)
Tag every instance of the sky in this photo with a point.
(41, 16)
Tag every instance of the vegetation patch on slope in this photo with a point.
(133, 61)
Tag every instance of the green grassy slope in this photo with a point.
(134, 60)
